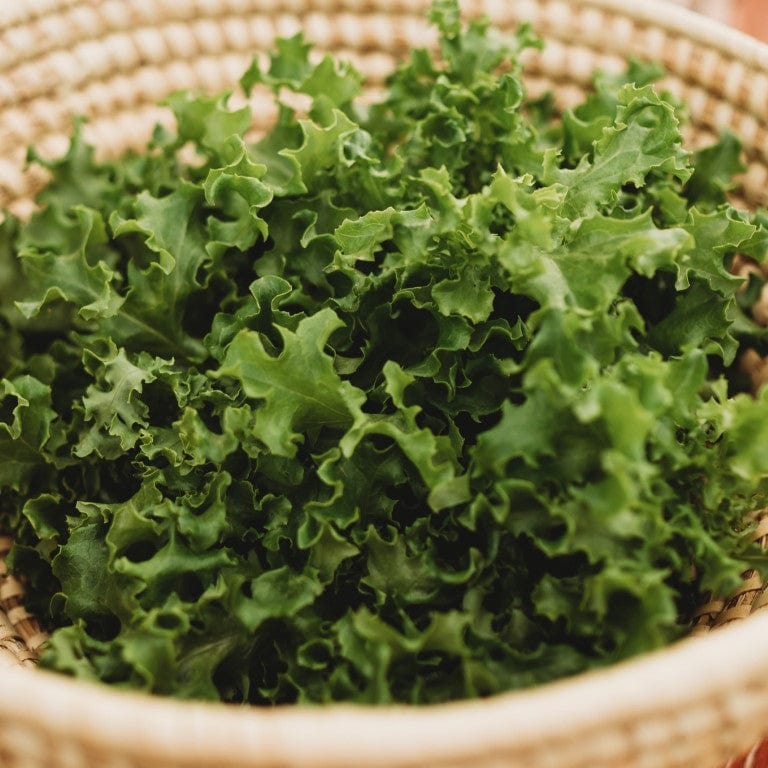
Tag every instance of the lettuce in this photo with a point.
(413, 401)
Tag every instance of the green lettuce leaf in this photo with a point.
(416, 400)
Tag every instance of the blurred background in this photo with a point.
(751, 16)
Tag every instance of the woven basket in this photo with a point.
(696, 704)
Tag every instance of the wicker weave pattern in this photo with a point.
(693, 705)
(113, 60)
(666, 713)
(20, 633)
(750, 598)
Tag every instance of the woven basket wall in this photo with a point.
(696, 704)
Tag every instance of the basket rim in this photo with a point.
(692, 25)
(725, 670)
(696, 669)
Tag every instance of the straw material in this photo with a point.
(698, 703)
(20, 635)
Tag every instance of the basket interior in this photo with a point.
(113, 61)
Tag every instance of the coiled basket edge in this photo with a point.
(695, 704)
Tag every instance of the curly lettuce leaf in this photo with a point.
(410, 401)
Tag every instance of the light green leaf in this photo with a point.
(79, 278)
(300, 389)
(280, 593)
